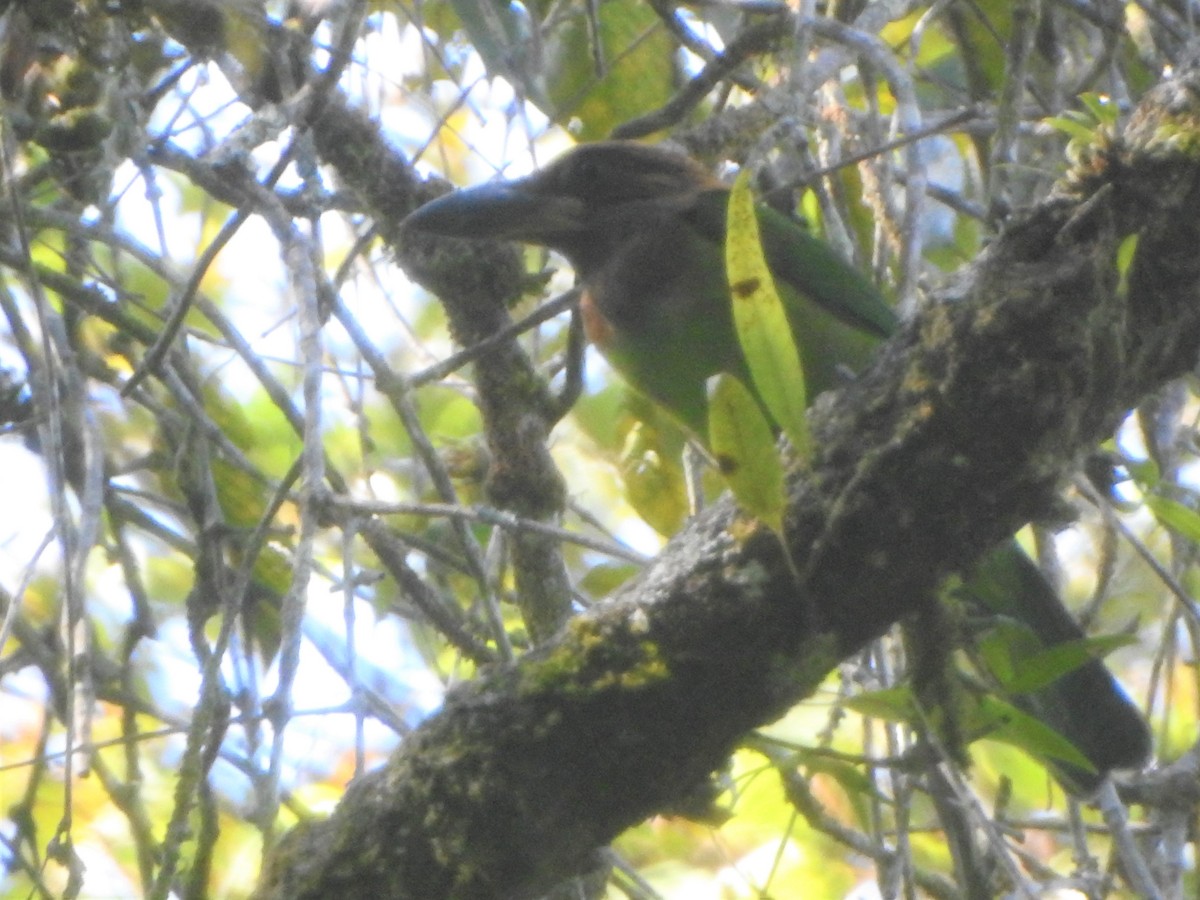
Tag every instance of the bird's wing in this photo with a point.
(810, 266)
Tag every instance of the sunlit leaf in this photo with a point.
(1183, 520)
(1081, 131)
(654, 479)
(744, 447)
(1103, 110)
(599, 79)
(762, 323)
(1125, 255)
(893, 704)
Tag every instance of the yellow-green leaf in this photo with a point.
(637, 69)
(894, 704)
(1183, 520)
(762, 323)
(1080, 131)
(744, 447)
(1103, 110)
(1125, 255)
(655, 485)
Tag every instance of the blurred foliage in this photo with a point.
(159, 541)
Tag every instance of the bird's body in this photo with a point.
(679, 257)
(644, 229)
(639, 222)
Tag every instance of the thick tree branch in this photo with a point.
(958, 435)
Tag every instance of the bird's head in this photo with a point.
(588, 194)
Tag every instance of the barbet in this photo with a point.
(644, 230)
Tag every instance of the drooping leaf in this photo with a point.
(744, 447)
(761, 321)
(655, 485)
(1002, 721)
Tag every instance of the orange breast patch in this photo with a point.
(597, 328)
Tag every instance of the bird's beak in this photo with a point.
(508, 210)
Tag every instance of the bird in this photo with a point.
(643, 227)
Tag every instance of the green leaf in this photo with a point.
(982, 37)
(744, 447)
(894, 704)
(1145, 473)
(1080, 131)
(242, 497)
(1002, 721)
(655, 485)
(762, 323)
(1051, 664)
(1019, 673)
(598, 81)
(1181, 519)
(1103, 110)
(649, 460)
(1125, 255)
(601, 580)
(1000, 647)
